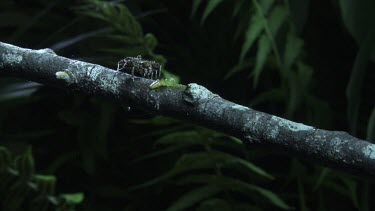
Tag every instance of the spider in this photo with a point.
(140, 67)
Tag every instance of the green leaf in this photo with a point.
(216, 204)
(211, 159)
(323, 174)
(359, 18)
(264, 49)
(25, 163)
(45, 184)
(95, 15)
(277, 16)
(37, 17)
(194, 7)
(299, 12)
(15, 197)
(36, 134)
(160, 152)
(201, 161)
(351, 189)
(237, 7)
(157, 121)
(211, 5)
(257, 24)
(18, 90)
(254, 29)
(319, 112)
(264, 5)
(293, 48)
(241, 66)
(184, 137)
(118, 15)
(193, 197)
(371, 127)
(5, 158)
(298, 88)
(154, 181)
(124, 39)
(273, 95)
(73, 198)
(151, 41)
(128, 51)
(235, 186)
(168, 74)
(353, 91)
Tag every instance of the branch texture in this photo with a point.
(195, 104)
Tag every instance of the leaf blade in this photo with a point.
(193, 197)
(211, 5)
(264, 49)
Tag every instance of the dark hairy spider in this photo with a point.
(140, 67)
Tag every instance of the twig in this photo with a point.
(195, 104)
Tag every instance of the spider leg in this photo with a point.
(147, 72)
(144, 73)
(159, 73)
(121, 63)
(118, 65)
(151, 73)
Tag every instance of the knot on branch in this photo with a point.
(195, 94)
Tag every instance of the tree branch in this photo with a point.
(194, 103)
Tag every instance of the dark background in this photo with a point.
(117, 159)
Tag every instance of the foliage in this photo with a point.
(127, 159)
(21, 188)
(360, 21)
(278, 46)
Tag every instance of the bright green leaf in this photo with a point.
(45, 183)
(73, 198)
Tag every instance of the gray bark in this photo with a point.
(195, 104)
